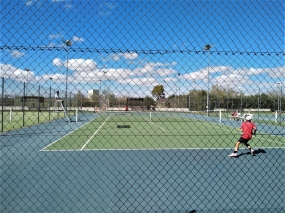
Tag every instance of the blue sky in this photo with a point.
(123, 44)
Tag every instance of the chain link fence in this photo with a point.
(151, 96)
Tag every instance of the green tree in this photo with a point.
(148, 101)
(95, 98)
(79, 99)
(112, 100)
(218, 92)
(158, 92)
(121, 101)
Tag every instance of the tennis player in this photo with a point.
(57, 98)
(248, 128)
(126, 108)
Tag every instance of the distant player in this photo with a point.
(248, 128)
(126, 108)
(57, 98)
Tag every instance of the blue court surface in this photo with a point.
(165, 180)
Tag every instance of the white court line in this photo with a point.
(95, 133)
(155, 124)
(67, 134)
(253, 136)
(158, 149)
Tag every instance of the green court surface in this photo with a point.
(12, 120)
(155, 131)
(123, 157)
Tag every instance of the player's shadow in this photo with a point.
(256, 152)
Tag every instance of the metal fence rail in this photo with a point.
(151, 96)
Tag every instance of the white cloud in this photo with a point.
(77, 39)
(147, 75)
(139, 81)
(28, 3)
(130, 56)
(248, 71)
(17, 54)
(96, 75)
(81, 64)
(202, 74)
(9, 71)
(159, 69)
(57, 62)
(165, 71)
(276, 72)
(127, 56)
(55, 77)
(105, 9)
(76, 64)
(167, 80)
(116, 57)
(194, 76)
(119, 73)
(54, 36)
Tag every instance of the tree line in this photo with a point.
(219, 97)
(194, 100)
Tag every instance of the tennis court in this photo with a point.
(17, 119)
(156, 130)
(135, 106)
(138, 161)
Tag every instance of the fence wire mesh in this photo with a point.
(135, 106)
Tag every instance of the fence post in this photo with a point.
(23, 104)
(39, 106)
(2, 111)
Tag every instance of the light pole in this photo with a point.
(240, 96)
(240, 93)
(49, 96)
(279, 98)
(194, 95)
(100, 93)
(178, 89)
(106, 106)
(164, 92)
(67, 43)
(208, 48)
(27, 78)
(258, 103)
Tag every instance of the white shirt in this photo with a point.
(56, 96)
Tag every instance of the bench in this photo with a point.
(238, 117)
(235, 117)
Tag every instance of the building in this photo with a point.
(93, 92)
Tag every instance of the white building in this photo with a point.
(92, 92)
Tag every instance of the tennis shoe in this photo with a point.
(252, 152)
(233, 155)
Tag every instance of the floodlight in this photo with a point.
(207, 47)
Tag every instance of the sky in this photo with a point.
(129, 47)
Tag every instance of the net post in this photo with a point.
(150, 116)
(76, 115)
(276, 116)
(10, 115)
(220, 116)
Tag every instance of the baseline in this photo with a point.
(66, 135)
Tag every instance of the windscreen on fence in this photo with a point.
(142, 106)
